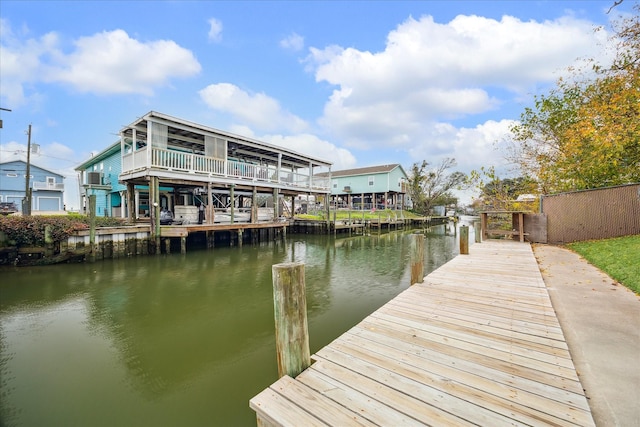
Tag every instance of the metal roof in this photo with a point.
(189, 135)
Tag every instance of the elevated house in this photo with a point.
(165, 164)
(379, 187)
(46, 187)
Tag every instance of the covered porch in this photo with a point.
(210, 176)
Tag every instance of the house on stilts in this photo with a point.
(200, 174)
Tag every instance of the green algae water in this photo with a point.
(179, 340)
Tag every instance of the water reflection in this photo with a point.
(180, 339)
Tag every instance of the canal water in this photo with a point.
(180, 340)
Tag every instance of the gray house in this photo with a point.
(47, 187)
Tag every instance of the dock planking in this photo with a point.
(478, 343)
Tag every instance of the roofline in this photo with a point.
(32, 164)
(151, 114)
(101, 155)
(336, 174)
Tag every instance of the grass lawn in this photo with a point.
(367, 214)
(618, 257)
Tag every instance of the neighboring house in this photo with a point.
(379, 187)
(47, 187)
(164, 163)
(99, 177)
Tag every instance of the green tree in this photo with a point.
(429, 187)
(502, 193)
(586, 132)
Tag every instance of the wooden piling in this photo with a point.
(417, 258)
(290, 312)
(478, 231)
(92, 228)
(464, 240)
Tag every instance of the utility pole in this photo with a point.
(27, 192)
(3, 109)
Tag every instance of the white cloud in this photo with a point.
(294, 42)
(112, 62)
(104, 63)
(430, 74)
(215, 30)
(256, 110)
(470, 147)
(313, 146)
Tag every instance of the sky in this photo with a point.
(357, 83)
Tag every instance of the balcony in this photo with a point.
(206, 167)
(51, 186)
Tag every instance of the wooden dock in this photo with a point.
(478, 343)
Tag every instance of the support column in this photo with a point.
(254, 205)
(154, 211)
(275, 205)
(209, 211)
(233, 200)
(132, 207)
(136, 204)
(328, 210)
(92, 228)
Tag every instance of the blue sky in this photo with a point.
(357, 83)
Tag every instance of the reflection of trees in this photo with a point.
(175, 317)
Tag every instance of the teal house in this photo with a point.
(163, 164)
(99, 177)
(374, 187)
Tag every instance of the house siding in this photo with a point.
(47, 192)
(110, 167)
(383, 182)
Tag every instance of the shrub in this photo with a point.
(29, 230)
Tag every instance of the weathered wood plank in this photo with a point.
(376, 400)
(323, 408)
(278, 411)
(173, 231)
(491, 330)
(478, 343)
(405, 382)
(520, 405)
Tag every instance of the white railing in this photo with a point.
(193, 163)
(54, 186)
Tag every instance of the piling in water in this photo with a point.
(290, 312)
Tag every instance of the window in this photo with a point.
(335, 185)
(371, 180)
(12, 175)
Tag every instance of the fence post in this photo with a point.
(464, 240)
(290, 312)
(417, 258)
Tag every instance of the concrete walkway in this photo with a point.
(601, 324)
